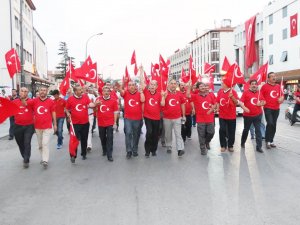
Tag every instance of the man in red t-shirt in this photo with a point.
(133, 100)
(273, 95)
(24, 128)
(186, 128)
(107, 113)
(203, 104)
(77, 109)
(297, 105)
(44, 117)
(60, 105)
(173, 116)
(252, 102)
(227, 100)
(151, 113)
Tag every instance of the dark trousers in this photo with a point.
(256, 121)
(227, 132)
(68, 123)
(296, 109)
(60, 126)
(132, 134)
(106, 138)
(23, 135)
(271, 118)
(194, 120)
(152, 135)
(12, 126)
(186, 128)
(206, 132)
(82, 133)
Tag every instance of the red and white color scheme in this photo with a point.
(172, 108)
(163, 67)
(43, 110)
(152, 106)
(227, 109)
(12, 62)
(187, 101)
(132, 105)
(271, 93)
(25, 115)
(60, 105)
(7, 109)
(88, 71)
(192, 71)
(202, 105)
(225, 65)
(64, 86)
(78, 107)
(73, 142)
(294, 25)
(250, 99)
(233, 76)
(106, 111)
(250, 41)
(259, 76)
(184, 77)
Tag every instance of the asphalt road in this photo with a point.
(240, 188)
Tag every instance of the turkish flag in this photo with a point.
(12, 62)
(163, 67)
(184, 77)
(192, 71)
(136, 70)
(208, 69)
(226, 65)
(100, 85)
(70, 72)
(7, 109)
(294, 25)
(73, 143)
(153, 70)
(260, 76)
(85, 67)
(250, 41)
(133, 58)
(88, 73)
(64, 86)
(146, 78)
(233, 76)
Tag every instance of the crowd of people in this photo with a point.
(164, 113)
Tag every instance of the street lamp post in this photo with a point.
(86, 45)
(105, 68)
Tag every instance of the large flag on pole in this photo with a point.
(133, 58)
(260, 76)
(13, 63)
(7, 109)
(233, 76)
(225, 65)
(250, 41)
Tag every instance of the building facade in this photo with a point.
(179, 60)
(34, 48)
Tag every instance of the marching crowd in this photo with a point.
(163, 112)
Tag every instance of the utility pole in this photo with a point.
(21, 45)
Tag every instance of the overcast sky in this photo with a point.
(150, 27)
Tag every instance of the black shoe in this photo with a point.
(135, 154)
(88, 149)
(147, 155)
(243, 145)
(104, 153)
(169, 151)
(128, 155)
(84, 157)
(25, 165)
(10, 138)
(154, 154)
(110, 159)
(180, 152)
(203, 152)
(72, 159)
(207, 146)
(260, 150)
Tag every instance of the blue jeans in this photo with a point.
(60, 125)
(132, 134)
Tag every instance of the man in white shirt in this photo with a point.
(91, 117)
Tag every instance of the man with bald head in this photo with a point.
(24, 128)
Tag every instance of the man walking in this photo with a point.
(92, 97)
(60, 105)
(173, 116)
(24, 128)
(107, 114)
(186, 128)
(14, 95)
(273, 95)
(252, 103)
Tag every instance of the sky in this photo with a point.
(149, 27)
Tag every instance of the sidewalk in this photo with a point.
(4, 127)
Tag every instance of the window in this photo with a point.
(214, 44)
(261, 26)
(18, 49)
(271, 19)
(257, 27)
(215, 56)
(284, 56)
(270, 59)
(214, 35)
(284, 34)
(284, 12)
(270, 39)
(17, 25)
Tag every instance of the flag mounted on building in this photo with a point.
(250, 41)
(294, 25)
(13, 63)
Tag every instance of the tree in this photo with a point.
(63, 51)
